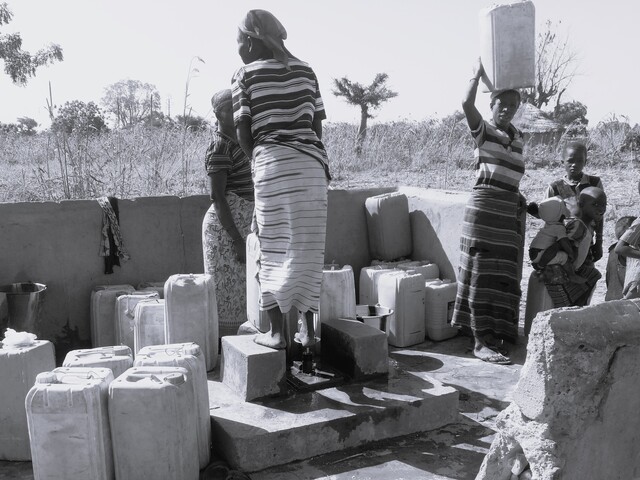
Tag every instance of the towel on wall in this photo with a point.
(111, 243)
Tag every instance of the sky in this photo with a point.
(427, 47)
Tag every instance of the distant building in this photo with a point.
(537, 127)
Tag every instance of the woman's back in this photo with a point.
(279, 101)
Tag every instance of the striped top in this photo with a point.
(225, 155)
(498, 156)
(281, 104)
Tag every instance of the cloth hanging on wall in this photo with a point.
(111, 243)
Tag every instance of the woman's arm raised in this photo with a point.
(469, 103)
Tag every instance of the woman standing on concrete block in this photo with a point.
(228, 221)
(488, 298)
(278, 112)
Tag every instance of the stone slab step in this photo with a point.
(252, 436)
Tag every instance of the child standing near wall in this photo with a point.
(569, 187)
(629, 247)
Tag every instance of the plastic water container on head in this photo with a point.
(19, 366)
(191, 313)
(148, 324)
(102, 313)
(188, 356)
(117, 358)
(508, 45)
(403, 292)
(388, 226)
(69, 425)
(258, 319)
(125, 316)
(153, 424)
(439, 300)
(368, 288)
(337, 295)
(425, 268)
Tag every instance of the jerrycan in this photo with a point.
(188, 356)
(368, 288)
(148, 324)
(153, 424)
(337, 294)
(125, 316)
(439, 300)
(19, 366)
(69, 424)
(117, 358)
(508, 45)
(403, 292)
(388, 226)
(425, 268)
(102, 313)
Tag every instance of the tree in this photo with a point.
(368, 98)
(573, 116)
(79, 117)
(130, 101)
(27, 126)
(19, 64)
(192, 122)
(556, 65)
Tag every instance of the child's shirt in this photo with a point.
(632, 235)
(569, 190)
(615, 275)
(549, 234)
(632, 238)
(582, 235)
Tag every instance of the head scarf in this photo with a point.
(496, 93)
(219, 99)
(266, 27)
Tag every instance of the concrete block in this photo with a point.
(574, 413)
(250, 370)
(358, 350)
(252, 436)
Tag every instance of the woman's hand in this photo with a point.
(478, 69)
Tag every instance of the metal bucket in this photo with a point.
(374, 315)
(23, 301)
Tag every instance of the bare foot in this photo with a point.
(304, 339)
(271, 340)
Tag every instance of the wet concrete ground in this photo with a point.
(452, 452)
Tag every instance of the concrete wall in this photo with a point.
(58, 243)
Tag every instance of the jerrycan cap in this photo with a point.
(191, 349)
(174, 378)
(121, 350)
(46, 377)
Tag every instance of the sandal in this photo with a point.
(497, 359)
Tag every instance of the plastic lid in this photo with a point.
(121, 350)
(46, 377)
(174, 378)
(191, 349)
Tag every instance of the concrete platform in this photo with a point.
(451, 452)
(253, 436)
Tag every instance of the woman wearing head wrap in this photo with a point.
(278, 113)
(488, 299)
(228, 221)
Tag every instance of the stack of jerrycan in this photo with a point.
(125, 316)
(337, 295)
(188, 356)
(508, 45)
(149, 324)
(191, 313)
(117, 358)
(69, 424)
(103, 309)
(19, 366)
(153, 425)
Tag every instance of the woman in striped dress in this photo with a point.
(278, 113)
(228, 220)
(488, 299)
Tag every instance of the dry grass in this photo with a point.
(148, 161)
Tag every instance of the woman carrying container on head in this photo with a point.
(228, 221)
(278, 113)
(488, 299)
